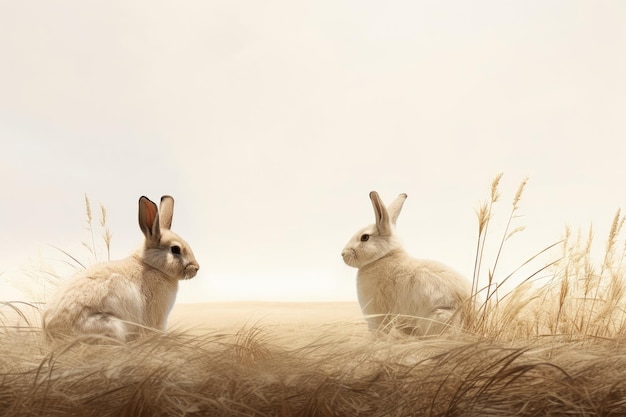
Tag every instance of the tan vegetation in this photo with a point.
(550, 347)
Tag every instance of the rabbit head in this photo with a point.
(163, 249)
(376, 240)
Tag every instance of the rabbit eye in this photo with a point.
(365, 237)
(175, 250)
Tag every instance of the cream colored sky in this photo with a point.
(269, 122)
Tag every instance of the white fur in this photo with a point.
(420, 297)
(120, 299)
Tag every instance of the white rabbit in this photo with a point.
(120, 299)
(420, 297)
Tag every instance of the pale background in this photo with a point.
(270, 122)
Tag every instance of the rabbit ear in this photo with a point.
(149, 219)
(395, 207)
(166, 212)
(381, 214)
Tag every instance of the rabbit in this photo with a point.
(121, 299)
(420, 297)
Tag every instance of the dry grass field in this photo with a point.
(302, 368)
(554, 347)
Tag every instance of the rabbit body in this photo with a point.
(121, 299)
(417, 296)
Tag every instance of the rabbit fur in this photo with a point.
(420, 297)
(121, 299)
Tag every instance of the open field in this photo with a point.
(309, 359)
(554, 346)
(238, 314)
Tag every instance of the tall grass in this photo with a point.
(586, 294)
(91, 246)
(490, 312)
(47, 271)
(548, 347)
(583, 297)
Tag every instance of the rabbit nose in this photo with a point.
(191, 270)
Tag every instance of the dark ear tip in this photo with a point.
(373, 194)
(165, 197)
(404, 195)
